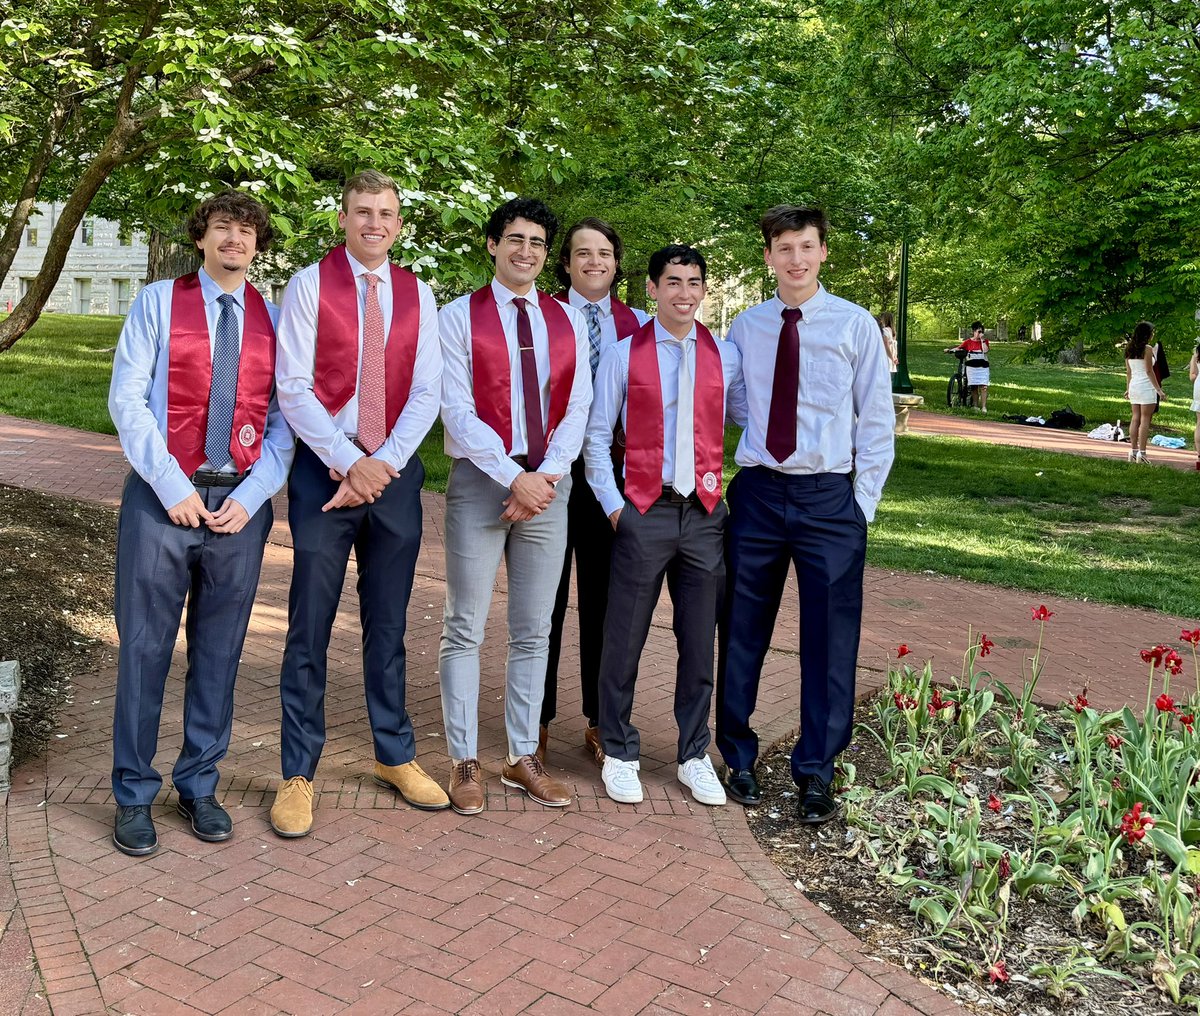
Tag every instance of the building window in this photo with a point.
(277, 290)
(124, 237)
(31, 236)
(121, 296)
(88, 232)
(83, 296)
(26, 286)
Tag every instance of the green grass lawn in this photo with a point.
(59, 371)
(1037, 389)
(1052, 524)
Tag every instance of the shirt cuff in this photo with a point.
(173, 488)
(345, 455)
(867, 504)
(611, 500)
(508, 471)
(250, 495)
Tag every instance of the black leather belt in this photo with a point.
(671, 496)
(213, 478)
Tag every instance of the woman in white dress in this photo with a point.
(887, 329)
(1142, 388)
(1194, 374)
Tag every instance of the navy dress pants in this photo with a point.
(160, 566)
(385, 537)
(814, 523)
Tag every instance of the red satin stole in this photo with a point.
(624, 319)
(335, 370)
(189, 377)
(644, 420)
(490, 372)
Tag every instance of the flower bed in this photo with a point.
(1041, 853)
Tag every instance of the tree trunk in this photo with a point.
(169, 258)
(10, 243)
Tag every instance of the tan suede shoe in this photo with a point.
(530, 776)
(591, 741)
(291, 814)
(412, 783)
(543, 737)
(466, 787)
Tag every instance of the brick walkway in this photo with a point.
(666, 907)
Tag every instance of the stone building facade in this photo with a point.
(105, 267)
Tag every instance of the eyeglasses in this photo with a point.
(516, 241)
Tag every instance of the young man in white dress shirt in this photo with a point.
(589, 265)
(359, 378)
(192, 399)
(670, 387)
(814, 456)
(515, 396)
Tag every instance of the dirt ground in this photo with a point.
(56, 569)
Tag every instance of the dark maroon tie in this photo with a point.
(529, 385)
(785, 389)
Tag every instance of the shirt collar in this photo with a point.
(210, 290)
(504, 295)
(359, 270)
(809, 306)
(662, 335)
(580, 302)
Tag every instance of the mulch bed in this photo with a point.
(56, 580)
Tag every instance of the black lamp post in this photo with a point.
(901, 383)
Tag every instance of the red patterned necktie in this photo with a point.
(534, 428)
(785, 389)
(372, 393)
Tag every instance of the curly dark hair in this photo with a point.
(240, 207)
(522, 208)
(1143, 336)
(561, 267)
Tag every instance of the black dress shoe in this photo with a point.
(210, 822)
(742, 786)
(133, 831)
(817, 803)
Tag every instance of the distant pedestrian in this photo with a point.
(1194, 374)
(887, 327)
(979, 373)
(1142, 388)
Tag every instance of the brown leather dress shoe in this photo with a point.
(543, 737)
(466, 787)
(530, 776)
(591, 741)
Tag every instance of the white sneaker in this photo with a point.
(621, 781)
(698, 775)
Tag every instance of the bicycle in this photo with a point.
(957, 390)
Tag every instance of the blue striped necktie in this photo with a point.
(223, 393)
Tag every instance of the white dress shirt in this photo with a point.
(332, 436)
(137, 398)
(467, 436)
(845, 418)
(608, 324)
(609, 405)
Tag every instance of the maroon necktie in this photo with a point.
(529, 385)
(785, 389)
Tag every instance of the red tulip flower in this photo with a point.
(1114, 741)
(1004, 869)
(1154, 655)
(1187, 721)
(902, 651)
(1165, 703)
(1173, 662)
(1192, 636)
(1135, 825)
(1080, 703)
(985, 645)
(1040, 613)
(994, 803)
(998, 971)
